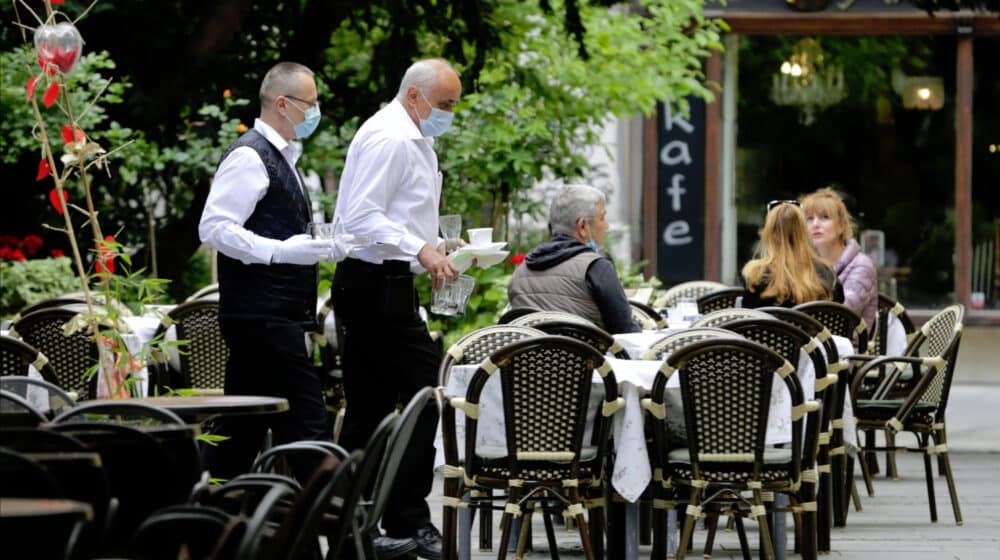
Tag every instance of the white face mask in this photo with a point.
(438, 122)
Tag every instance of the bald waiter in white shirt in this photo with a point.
(391, 191)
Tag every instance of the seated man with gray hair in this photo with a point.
(568, 273)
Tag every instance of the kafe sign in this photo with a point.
(680, 194)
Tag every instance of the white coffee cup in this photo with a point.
(479, 237)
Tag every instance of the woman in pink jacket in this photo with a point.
(832, 231)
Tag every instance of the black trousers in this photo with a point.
(267, 359)
(388, 356)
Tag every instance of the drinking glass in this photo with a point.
(452, 299)
(319, 230)
(451, 230)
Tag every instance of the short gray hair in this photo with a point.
(278, 79)
(571, 203)
(423, 74)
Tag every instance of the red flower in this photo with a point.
(51, 94)
(60, 59)
(16, 255)
(44, 169)
(30, 89)
(56, 253)
(70, 134)
(55, 202)
(517, 259)
(9, 241)
(106, 257)
(32, 243)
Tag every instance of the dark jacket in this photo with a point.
(600, 281)
(752, 296)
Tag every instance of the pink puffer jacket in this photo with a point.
(856, 273)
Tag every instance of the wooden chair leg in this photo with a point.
(742, 534)
(513, 495)
(823, 513)
(766, 547)
(524, 536)
(929, 474)
(891, 472)
(941, 439)
(486, 523)
(659, 522)
(711, 524)
(872, 458)
(689, 521)
(596, 524)
(865, 473)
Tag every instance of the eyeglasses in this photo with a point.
(774, 203)
(299, 99)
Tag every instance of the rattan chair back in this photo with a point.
(687, 290)
(515, 312)
(72, 356)
(647, 317)
(668, 344)
(719, 299)
(532, 319)
(210, 291)
(723, 316)
(479, 344)
(840, 320)
(16, 356)
(939, 337)
(596, 337)
(203, 359)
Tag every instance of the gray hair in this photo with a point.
(423, 74)
(571, 203)
(278, 80)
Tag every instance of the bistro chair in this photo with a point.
(840, 320)
(726, 390)
(203, 358)
(479, 344)
(192, 531)
(532, 319)
(931, 361)
(723, 316)
(879, 333)
(210, 291)
(788, 341)
(596, 337)
(72, 355)
(15, 410)
(19, 358)
(647, 317)
(719, 299)
(666, 345)
(48, 398)
(515, 312)
(687, 290)
(546, 384)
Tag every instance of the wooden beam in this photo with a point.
(712, 268)
(855, 23)
(649, 165)
(963, 169)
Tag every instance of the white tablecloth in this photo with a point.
(632, 471)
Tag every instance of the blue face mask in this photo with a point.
(308, 125)
(593, 246)
(437, 123)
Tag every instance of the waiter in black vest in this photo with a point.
(256, 216)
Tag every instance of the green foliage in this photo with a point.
(23, 283)
(197, 274)
(17, 131)
(538, 104)
(632, 276)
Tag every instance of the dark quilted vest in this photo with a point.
(275, 292)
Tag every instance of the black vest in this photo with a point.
(274, 292)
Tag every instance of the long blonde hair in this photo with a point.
(785, 259)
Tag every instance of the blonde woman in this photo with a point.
(831, 229)
(787, 271)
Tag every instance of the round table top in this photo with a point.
(42, 507)
(217, 405)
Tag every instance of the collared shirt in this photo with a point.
(390, 188)
(239, 184)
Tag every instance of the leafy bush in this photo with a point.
(23, 283)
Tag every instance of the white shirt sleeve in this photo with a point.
(380, 169)
(239, 184)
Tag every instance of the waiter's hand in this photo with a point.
(301, 249)
(438, 266)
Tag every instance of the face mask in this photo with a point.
(593, 246)
(437, 123)
(308, 125)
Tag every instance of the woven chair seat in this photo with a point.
(680, 472)
(772, 455)
(497, 469)
(588, 453)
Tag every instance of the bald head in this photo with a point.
(281, 79)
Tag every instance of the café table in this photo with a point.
(205, 407)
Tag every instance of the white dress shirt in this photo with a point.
(390, 188)
(239, 184)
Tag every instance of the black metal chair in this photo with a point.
(175, 530)
(15, 410)
(203, 358)
(73, 356)
(48, 398)
(931, 359)
(596, 337)
(647, 317)
(18, 357)
(719, 299)
(546, 383)
(477, 345)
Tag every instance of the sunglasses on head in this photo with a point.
(774, 203)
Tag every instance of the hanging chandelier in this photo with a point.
(804, 81)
